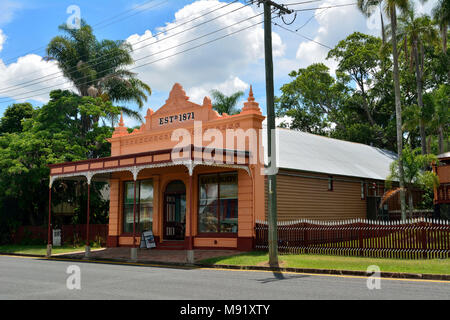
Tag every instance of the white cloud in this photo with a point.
(211, 65)
(336, 24)
(27, 68)
(2, 39)
(218, 65)
(7, 10)
(228, 87)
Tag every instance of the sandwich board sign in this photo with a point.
(147, 240)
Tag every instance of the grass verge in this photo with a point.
(432, 266)
(39, 249)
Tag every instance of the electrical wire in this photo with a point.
(152, 62)
(74, 69)
(9, 60)
(301, 35)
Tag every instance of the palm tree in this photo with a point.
(98, 68)
(417, 30)
(441, 14)
(391, 9)
(226, 104)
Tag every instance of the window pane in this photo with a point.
(209, 187)
(146, 222)
(129, 192)
(207, 219)
(229, 215)
(218, 212)
(228, 186)
(144, 206)
(128, 219)
(146, 191)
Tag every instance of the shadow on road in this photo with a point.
(278, 276)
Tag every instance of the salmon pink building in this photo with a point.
(196, 178)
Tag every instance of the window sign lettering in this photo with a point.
(182, 117)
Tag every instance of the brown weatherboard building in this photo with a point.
(442, 192)
(210, 192)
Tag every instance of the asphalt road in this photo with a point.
(26, 278)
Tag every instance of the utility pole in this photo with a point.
(271, 137)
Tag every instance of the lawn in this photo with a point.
(39, 249)
(434, 266)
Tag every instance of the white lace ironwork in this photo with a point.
(134, 170)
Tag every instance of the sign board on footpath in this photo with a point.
(147, 240)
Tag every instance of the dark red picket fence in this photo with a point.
(411, 239)
(70, 234)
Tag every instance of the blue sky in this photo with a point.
(228, 65)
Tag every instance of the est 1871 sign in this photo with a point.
(182, 117)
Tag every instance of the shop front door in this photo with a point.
(175, 211)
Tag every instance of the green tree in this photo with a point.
(52, 135)
(417, 30)
(359, 57)
(441, 116)
(391, 7)
(441, 14)
(415, 175)
(226, 104)
(98, 68)
(312, 99)
(13, 117)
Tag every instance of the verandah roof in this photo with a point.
(134, 163)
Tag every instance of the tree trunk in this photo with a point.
(441, 139)
(419, 84)
(411, 204)
(444, 38)
(383, 31)
(398, 111)
(444, 41)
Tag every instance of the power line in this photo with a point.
(9, 60)
(312, 17)
(132, 15)
(74, 69)
(155, 61)
(309, 9)
(303, 36)
(328, 7)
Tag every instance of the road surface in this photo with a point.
(31, 278)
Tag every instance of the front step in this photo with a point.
(171, 245)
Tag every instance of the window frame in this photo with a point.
(138, 205)
(217, 234)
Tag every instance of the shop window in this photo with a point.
(144, 206)
(218, 203)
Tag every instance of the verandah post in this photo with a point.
(134, 249)
(49, 235)
(88, 248)
(190, 252)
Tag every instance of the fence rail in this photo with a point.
(410, 239)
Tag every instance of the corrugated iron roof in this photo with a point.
(444, 155)
(308, 152)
